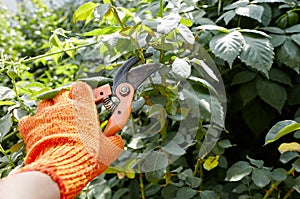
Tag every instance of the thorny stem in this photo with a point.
(276, 184)
(288, 194)
(142, 187)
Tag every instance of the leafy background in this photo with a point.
(255, 46)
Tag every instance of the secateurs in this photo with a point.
(125, 83)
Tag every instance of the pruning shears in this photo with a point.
(125, 83)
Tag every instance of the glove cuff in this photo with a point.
(69, 165)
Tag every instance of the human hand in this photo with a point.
(64, 140)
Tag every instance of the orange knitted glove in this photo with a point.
(63, 139)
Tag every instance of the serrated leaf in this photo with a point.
(155, 176)
(84, 11)
(293, 146)
(261, 177)
(211, 162)
(257, 53)
(238, 171)
(181, 67)
(168, 23)
(5, 125)
(169, 192)
(288, 54)
(272, 93)
(252, 11)
(243, 77)
(280, 129)
(296, 38)
(280, 76)
(227, 46)
(206, 69)
(248, 92)
(277, 40)
(267, 15)
(186, 33)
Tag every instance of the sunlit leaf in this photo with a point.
(84, 11)
(252, 11)
(281, 129)
(181, 67)
(6, 93)
(257, 53)
(293, 146)
(168, 23)
(186, 33)
(211, 162)
(227, 46)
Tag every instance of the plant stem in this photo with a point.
(288, 194)
(161, 9)
(276, 184)
(5, 154)
(142, 187)
(219, 7)
(168, 175)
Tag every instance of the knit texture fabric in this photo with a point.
(64, 140)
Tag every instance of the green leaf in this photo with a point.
(257, 53)
(272, 93)
(288, 156)
(6, 103)
(206, 70)
(227, 16)
(185, 192)
(173, 148)
(84, 11)
(237, 4)
(296, 38)
(186, 33)
(213, 27)
(277, 40)
(294, 95)
(267, 15)
(261, 177)
(257, 163)
(293, 29)
(207, 194)
(288, 54)
(211, 162)
(169, 192)
(181, 67)
(153, 161)
(120, 193)
(280, 76)
(293, 146)
(297, 165)
(243, 77)
(168, 23)
(6, 93)
(186, 22)
(281, 129)
(227, 46)
(5, 125)
(279, 174)
(248, 92)
(238, 171)
(274, 30)
(258, 116)
(103, 31)
(155, 176)
(252, 11)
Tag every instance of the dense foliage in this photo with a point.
(234, 58)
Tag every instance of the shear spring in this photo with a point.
(109, 104)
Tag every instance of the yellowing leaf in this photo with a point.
(84, 12)
(293, 146)
(211, 162)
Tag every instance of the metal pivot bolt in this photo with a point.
(124, 91)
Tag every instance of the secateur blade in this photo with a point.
(123, 70)
(124, 90)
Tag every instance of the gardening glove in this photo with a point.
(64, 140)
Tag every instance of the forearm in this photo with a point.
(28, 185)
